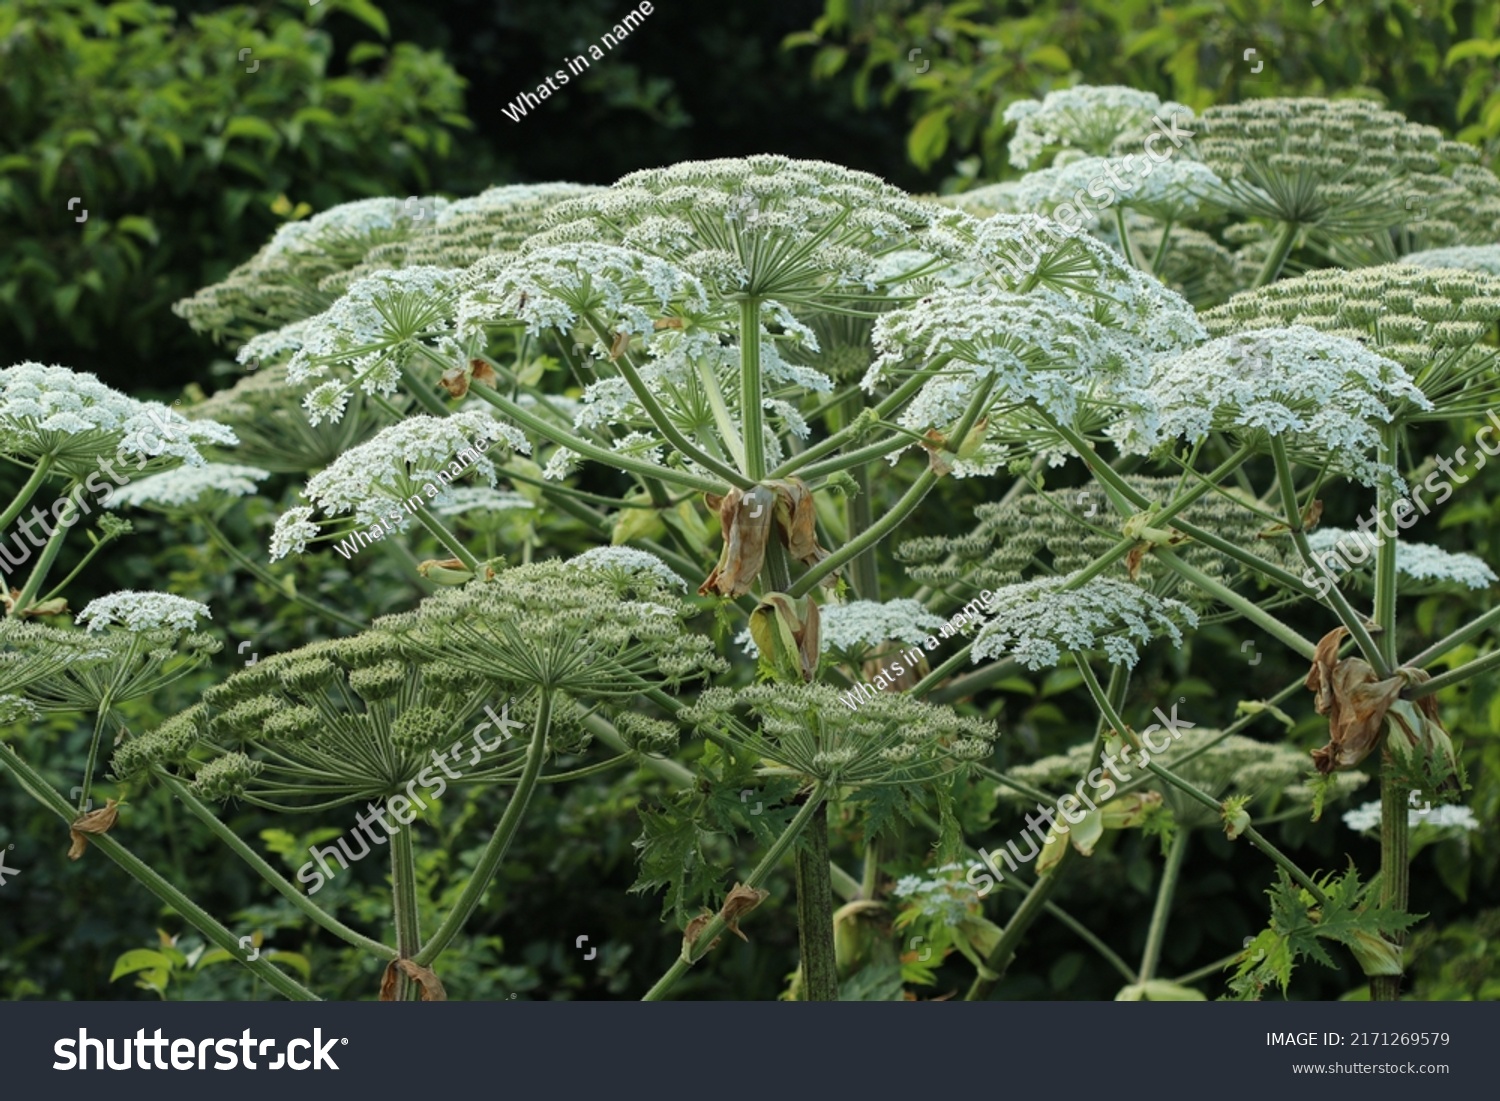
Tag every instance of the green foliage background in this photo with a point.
(187, 164)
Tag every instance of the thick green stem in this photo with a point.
(1395, 865)
(1281, 248)
(1395, 827)
(1473, 629)
(1156, 935)
(899, 511)
(692, 953)
(27, 492)
(248, 564)
(505, 832)
(1351, 619)
(868, 538)
(1204, 972)
(1125, 244)
(1453, 676)
(404, 907)
(1251, 834)
(39, 572)
(752, 430)
(664, 423)
(778, 567)
(280, 883)
(815, 913)
(199, 918)
(870, 884)
(1031, 908)
(1037, 898)
(88, 770)
(847, 434)
(559, 435)
(1247, 608)
(864, 570)
(447, 539)
(981, 678)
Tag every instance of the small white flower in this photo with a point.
(463, 499)
(1088, 117)
(186, 484)
(1419, 561)
(1324, 391)
(628, 560)
(862, 623)
(76, 419)
(1366, 818)
(400, 462)
(142, 611)
(1036, 621)
(294, 530)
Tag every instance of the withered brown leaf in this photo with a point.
(695, 929)
(1354, 699)
(455, 380)
(739, 902)
(432, 988)
(480, 371)
(745, 522)
(95, 822)
(797, 521)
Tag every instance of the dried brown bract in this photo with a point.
(745, 519)
(95, 822)
(432, 988)
(740, 901)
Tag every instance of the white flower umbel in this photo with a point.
(137, 611)
(1174, 189)
(293, 531)
(803, 232)
(554, 287)
(1366, 818)
(1435, 322)
(184, 486)
(372, 333)
(852, 628)
(627, 560)
(1088, 117)
(481, 499)
(1039, 349)
(1481, 258)
(1020, 251)
(416, 459)
(1038, 621)
(1323, 392)
(75, 420)
(1418, 561)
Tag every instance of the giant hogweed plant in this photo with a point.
(787, 365)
